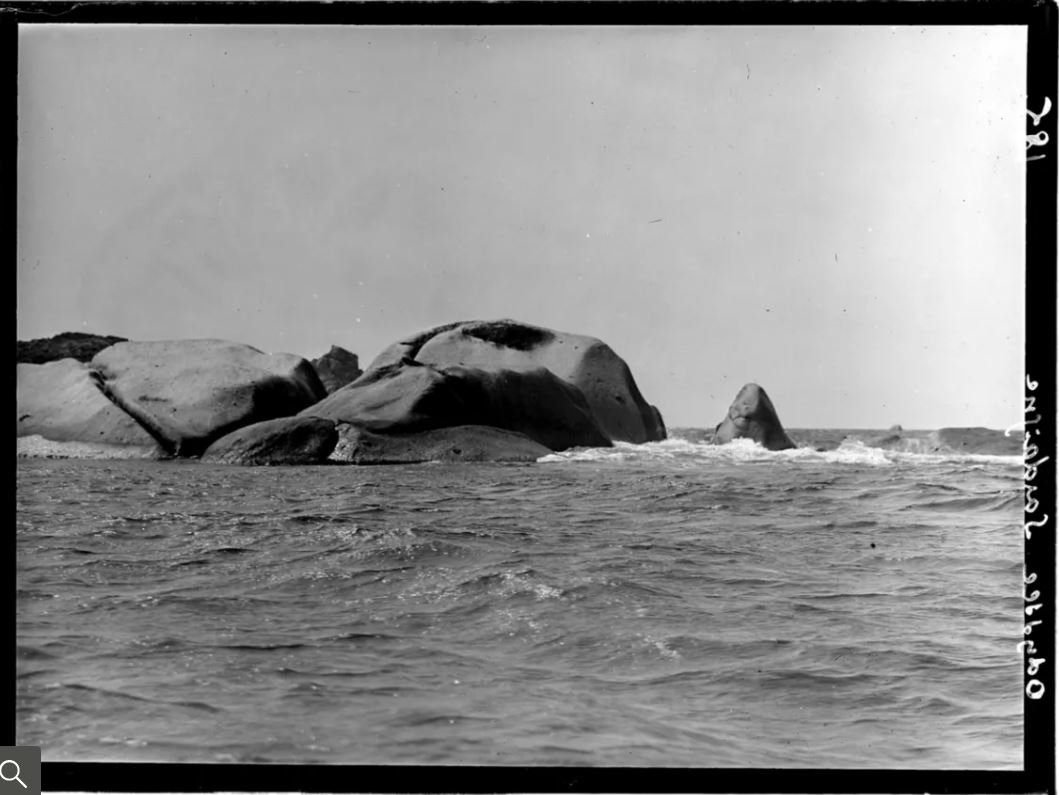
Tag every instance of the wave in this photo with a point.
(747, 451)
(107, 693)
(675, 449)
(261, 646)
(999, 501)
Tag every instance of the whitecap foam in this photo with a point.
(660, 645)
(735, 451)
(38, 447)
(518, 582)
(667, 449)
(850, 451)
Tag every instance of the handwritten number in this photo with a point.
(1040, 138)
(1037, 523)
(1044, 112)
(1030, 452)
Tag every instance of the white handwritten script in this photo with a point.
(1038, 138)
(1032, 461)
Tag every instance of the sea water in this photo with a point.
(672, 604)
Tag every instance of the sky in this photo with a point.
(834, 213)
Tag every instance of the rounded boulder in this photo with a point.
(584, 362)
(62, 401)
(408, 397)
(189, 393)
(287, 440)
(459, 443)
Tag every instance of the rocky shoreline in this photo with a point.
(469, 391)
(478, 390)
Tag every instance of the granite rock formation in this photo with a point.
(408, 397)
(459, 443)
(287, 440)
(62, 401)
(752, 416)
(499, 390)
(337, 368)
(189, 393)
(584, 362)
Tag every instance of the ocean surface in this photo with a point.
(669, 604)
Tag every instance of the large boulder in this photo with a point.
(337, 368)
(189, 393)
(460, 443)
(287, 440)
(584, 362)
(409, 397)
(752, 416)
(62, 401)
(68, 345)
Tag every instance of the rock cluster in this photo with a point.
(555, 389)
(471, 391)
(583, 362)
(496, 390)
(411, 397)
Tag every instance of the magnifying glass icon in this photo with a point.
(18, 772)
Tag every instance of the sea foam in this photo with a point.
(851, 451)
